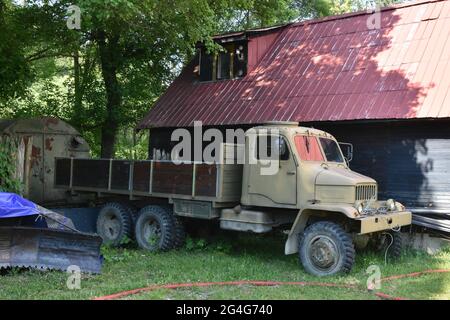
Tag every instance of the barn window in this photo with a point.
(223, 66)
(230, 63)
(206, 66)
(240, 60)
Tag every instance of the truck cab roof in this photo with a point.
(292, 127)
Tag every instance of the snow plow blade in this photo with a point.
(49, 249)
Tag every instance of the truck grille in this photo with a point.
(366, 192)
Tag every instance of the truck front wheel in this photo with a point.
(326, 249)
(155, 229)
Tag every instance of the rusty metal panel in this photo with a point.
(206, 180)
(120, 175)
(91, 173)
(141, 176)
(36, 183)
(171, 178)
(45, 138)
(54, 145)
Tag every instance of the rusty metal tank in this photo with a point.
(40, 141)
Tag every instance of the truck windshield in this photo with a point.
(308, 148)
(331, 150)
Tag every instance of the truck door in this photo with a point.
(281, 186)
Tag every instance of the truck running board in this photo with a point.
(49, 249)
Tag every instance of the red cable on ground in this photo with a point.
(267, 283)
(385, 296)
(415, 274)
(402, 276)
(227, 283)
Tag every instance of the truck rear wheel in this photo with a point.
(155, 229)
(326, 249)
(179, 229)
(114, 224)
(133, 213)
(180, 233)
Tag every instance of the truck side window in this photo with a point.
(272, 142)
(308, 148)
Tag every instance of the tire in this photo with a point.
(155, 229)
(133, 213)
(391, 241)
(180, 230)
(114, 224)
(326, 249)
(180, 233)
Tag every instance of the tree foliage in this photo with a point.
(8, 158)
(105, 76)
(14, 72)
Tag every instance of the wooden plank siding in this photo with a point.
(121, 178)
(171, 178)
(90, 173)
(206, 180)
(141, 176)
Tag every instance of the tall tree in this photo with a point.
(106, 75)
(14, 71)
(153, 36)
(322, 8)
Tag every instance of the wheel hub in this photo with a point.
(112, 227)
(152, 232)
(323, 252)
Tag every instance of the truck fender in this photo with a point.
(291, 245)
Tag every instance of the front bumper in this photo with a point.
(388, 221)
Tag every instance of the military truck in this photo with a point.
(325, 208)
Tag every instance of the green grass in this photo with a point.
(230, 257)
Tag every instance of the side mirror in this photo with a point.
(347, 150)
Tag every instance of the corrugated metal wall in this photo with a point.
(410, 160)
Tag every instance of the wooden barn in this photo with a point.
(384, 88)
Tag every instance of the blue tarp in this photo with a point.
(14, 206)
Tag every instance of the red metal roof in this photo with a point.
(329, 70)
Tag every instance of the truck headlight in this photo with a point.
(390, 204)
(360, 208)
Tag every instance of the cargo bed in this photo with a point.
(217, 183)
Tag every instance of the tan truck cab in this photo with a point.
(330, 203)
